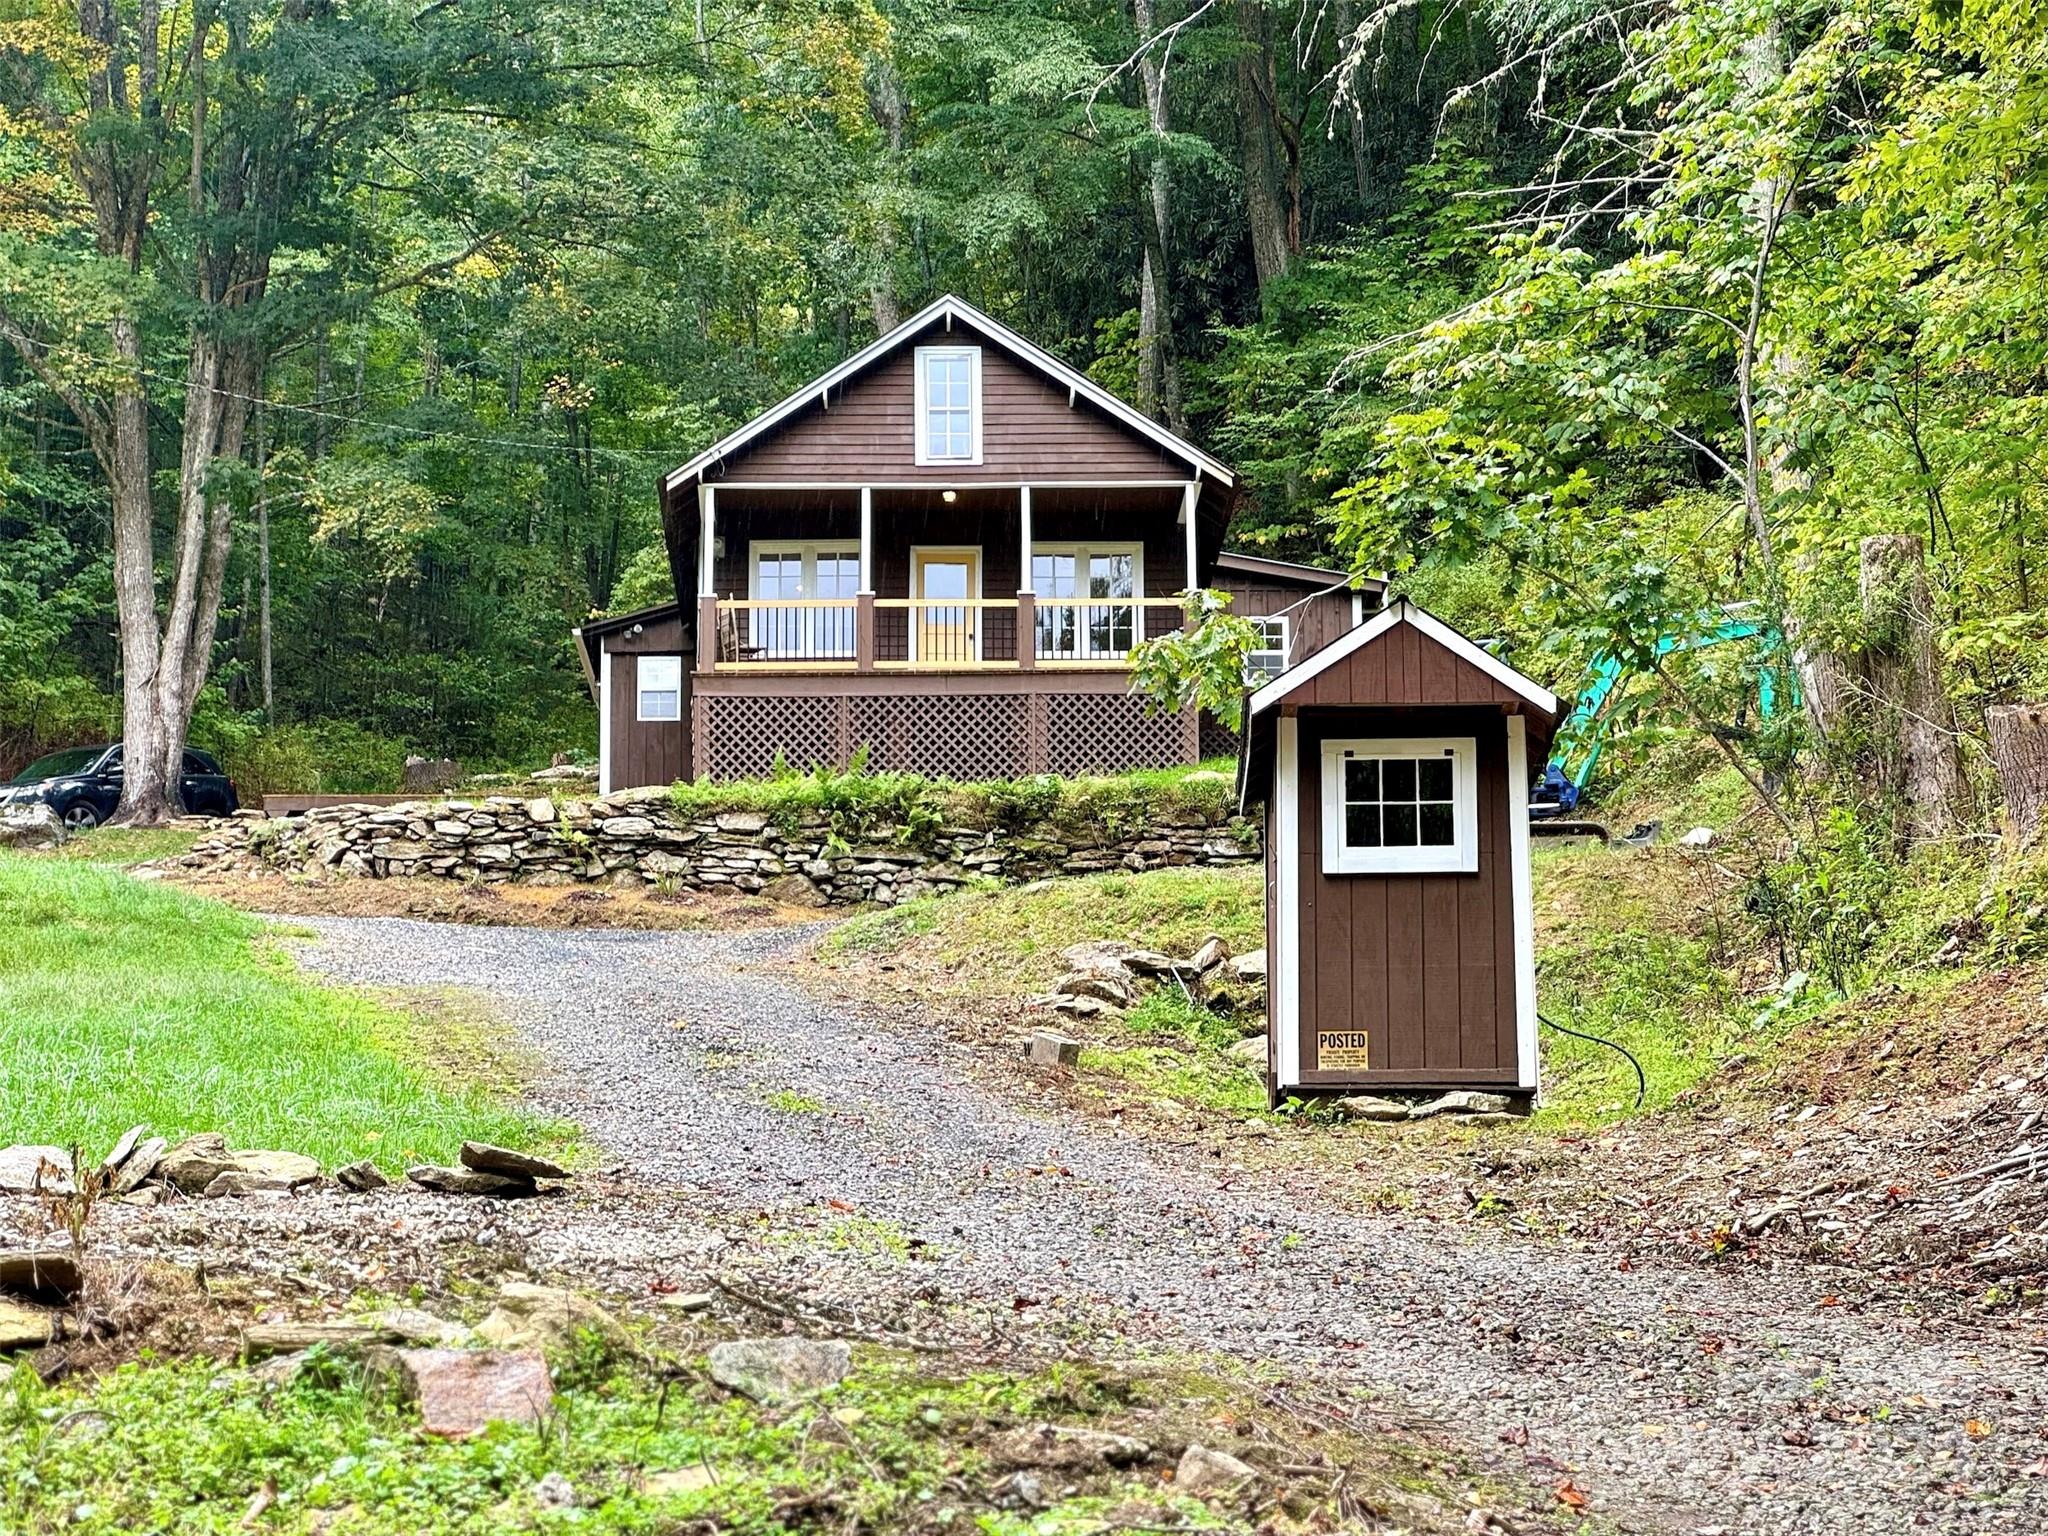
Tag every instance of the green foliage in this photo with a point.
(123, 1003)
(1200, 665)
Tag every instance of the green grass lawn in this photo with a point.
(124, 846)
(125, 1003)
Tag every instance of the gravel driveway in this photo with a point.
(1680, 1399)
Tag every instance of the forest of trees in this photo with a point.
(340, 347)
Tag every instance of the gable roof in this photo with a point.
(1400, 611)
(953, 308)
(1294, 571)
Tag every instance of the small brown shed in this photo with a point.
(1394, 764)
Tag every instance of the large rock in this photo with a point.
(1249, 967)
(1464, 1101)
(1066, 1448)
(485, 1158)
(1113, 990)
(1211, 953)
(779, 1370)
(550, 1320)
(25, 1168)
(1252, 1048)
(429, 773)
(49, 1273)
(1099, 957)
(1203, 1471)
(1048, 1048)
(1070, 1005)
(140, 1163)
(198, 1160)
(22, 1327)
(1367, 1106)
(795, 891)
(362, 1177)
(31, 829)
(469, 1181)
(461, 1392)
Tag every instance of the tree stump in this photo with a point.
(1912, 738)
(2019, 751)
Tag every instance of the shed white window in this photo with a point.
(1268, 659)
(1087, 599)
(659, 682)
(1406, 807)
(949, 405)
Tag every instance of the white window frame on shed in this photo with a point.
(657, 675)
(1257, 672)
(925, 356)
(1459, 856)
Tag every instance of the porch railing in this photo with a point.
(911, 634)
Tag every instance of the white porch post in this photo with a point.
(1190, 494)
(1024, 582)
(707, 559)
(867, 538)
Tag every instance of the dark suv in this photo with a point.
(83, 785)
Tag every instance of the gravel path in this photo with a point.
(1681, 1400)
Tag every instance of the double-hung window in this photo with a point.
(658, 687)
(1268, 658)
(948, 405)
(789, 582)
(1087, 600)
(1406, 807)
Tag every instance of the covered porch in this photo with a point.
(915, 578)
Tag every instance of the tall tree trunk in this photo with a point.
(1259, 145)
(2019, 749)
(1912, 737)
(1351, 98)
(263, 565)
(886, 105)
(1159, 393)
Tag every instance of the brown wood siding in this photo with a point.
(1402, 666)
(651, 751)
(1424, 964)
(1316, 622)
(1028, 431)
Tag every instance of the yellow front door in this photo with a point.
(946, 583)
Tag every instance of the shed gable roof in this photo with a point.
(1496, 681)
(947, 310)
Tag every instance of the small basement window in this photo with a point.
(1400, 807)
(660, 681)
(1267, 659)
(949, 405)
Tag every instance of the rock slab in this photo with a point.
(461, 1392)
(1048, 1048)
(470, 1181)
(550, 1320)
(26, 1168)
(197, 1161)
(1068, 1448)
(779, 1370)
(22, 1327)
(485, 1158)
(1204, 1471)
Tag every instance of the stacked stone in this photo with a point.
(640, 837)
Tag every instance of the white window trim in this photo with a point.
(640, 689)
(1461, 857)
(1083, 552)
(1285, 647)
(806, 619)
(973, 356)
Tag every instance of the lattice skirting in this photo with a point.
(1218, 739)
(957, 736)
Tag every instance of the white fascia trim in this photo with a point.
(604, 722)
(1401, 611)
(1524, 902)
(1283, 983)
(951, 308)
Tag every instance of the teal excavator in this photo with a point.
(1556, 797)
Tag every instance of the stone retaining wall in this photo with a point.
(639, 836)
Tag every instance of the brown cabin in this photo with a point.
(941, 552)
(1394, 766)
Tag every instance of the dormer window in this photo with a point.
(949, 405)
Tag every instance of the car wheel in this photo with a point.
(81, 816)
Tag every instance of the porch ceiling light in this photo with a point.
(949, 495)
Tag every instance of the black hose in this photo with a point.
(1642, 1082)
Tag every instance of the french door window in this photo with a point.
(798, 575)
(1087, 600)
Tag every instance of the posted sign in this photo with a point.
(1340, 1050)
